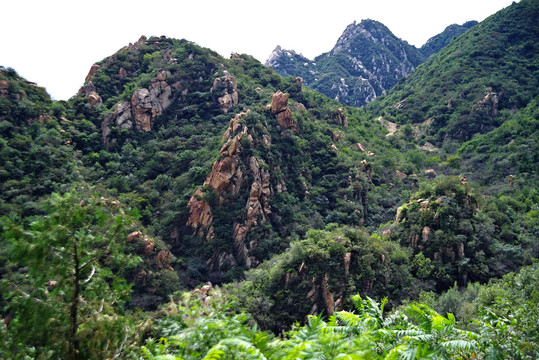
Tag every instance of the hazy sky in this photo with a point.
(55, 42)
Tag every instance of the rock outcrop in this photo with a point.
(4, 86)
(200, 215)
(91, 73)
(145, 105)
(341, 118)
(227, 86)
(279, 107)
(226, 180)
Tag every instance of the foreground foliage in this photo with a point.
(65, 292)
(500, 330)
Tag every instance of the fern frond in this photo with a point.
(459, 345)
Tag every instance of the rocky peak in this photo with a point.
(275, 54)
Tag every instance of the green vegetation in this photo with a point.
(171, 168)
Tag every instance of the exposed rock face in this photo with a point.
(200, 215)
(228, 87)
(279, 107)
(359, 147)
(164, 259)
(258, 209)
(489, 102)
(4, 85)
(279, 102)
(145, 105)
(92, 71)
(227, 179)
(141, 106)
(341, 118)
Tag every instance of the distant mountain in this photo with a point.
(438, 42)
(366, 61)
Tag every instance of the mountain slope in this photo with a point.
(225, 159)
(472, 85)
(438, 42)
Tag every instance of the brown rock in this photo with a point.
(336, 136)
(163, 259)
(92, 71)
(228, 101)
(123, 115)
(279, 102)
(347, 262)
(222, 173)
(430, 173)
(122, 72)
(341, 118)
(460, 250)
(359, 147)
(141, 106)
(285, 120)
(134, 236)
(200, 215)
(489, 102)
(94, 99)
(426, 234)
(149, 245)
(228, 86)
(4, 86)
(328, 296)
(400, 174)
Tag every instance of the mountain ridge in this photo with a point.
(366, 61)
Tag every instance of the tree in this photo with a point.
(66, 291)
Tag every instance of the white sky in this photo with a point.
(55, 42)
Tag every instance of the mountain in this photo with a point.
(438, 42)
(366, 61)
(475, 83)
(173, 167)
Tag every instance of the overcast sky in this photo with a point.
(55, 42)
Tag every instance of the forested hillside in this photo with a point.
(184, 205)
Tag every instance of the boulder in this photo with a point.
(94, 99)
(285, 119)
(359, 147)
(341, 118)
(400, 175)
(92, 71)
(122, 73)
(430, 173)
(279, 102)
(426, 234)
